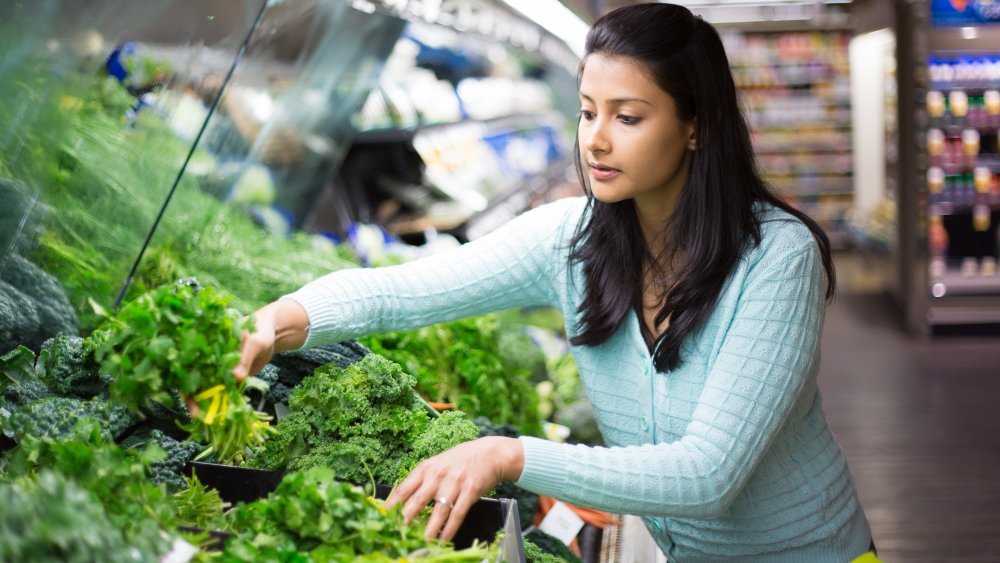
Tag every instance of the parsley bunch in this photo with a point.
(311, 513)
(185, 338)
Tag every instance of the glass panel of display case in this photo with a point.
(282, 126)
(94, 129)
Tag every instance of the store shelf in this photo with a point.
(953, 283)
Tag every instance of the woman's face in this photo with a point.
(632, 144)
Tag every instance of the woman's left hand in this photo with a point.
(455, 480)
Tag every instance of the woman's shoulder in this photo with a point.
(783, 235)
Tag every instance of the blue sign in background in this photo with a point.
(964, 12)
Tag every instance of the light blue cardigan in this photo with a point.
(728, 457)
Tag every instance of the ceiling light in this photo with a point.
(555, 18)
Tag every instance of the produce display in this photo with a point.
(472, 364)
(114, 376)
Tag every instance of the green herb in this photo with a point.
(460, 363)
(175, 337)
(116, 478)
(199, 506)
(312, 517)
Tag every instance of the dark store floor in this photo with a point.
(920, 423)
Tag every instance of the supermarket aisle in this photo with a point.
(919, 421)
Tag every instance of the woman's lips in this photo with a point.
(603, 173)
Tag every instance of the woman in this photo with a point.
(695, 301)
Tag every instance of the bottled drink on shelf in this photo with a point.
(981, 218)
(935, 142)
(991, 99)
(982, 177)
(970, 267)
(959, 102)
(935, 104)
(937, 239)
(988, 266)
(935, 180)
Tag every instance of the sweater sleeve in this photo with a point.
(510, 267)
(766, 359)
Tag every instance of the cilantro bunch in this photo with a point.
(311, 513)
(185, 338)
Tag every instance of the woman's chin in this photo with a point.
(604, 195)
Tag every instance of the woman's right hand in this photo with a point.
(279, 326)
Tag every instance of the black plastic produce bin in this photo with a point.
(485, 518)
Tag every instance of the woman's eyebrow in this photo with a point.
(616, 101)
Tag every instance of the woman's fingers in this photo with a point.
(255, 351)
(456, 515)
(445, 506)
(420, 499)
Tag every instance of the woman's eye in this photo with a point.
(628, 119)
(588, 115)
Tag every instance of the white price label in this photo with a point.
(562, 523)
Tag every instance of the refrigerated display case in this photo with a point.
(949, 67)
(91, 154)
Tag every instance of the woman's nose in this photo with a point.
(595, 140)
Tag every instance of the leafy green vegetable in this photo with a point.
(175, 337)
(55, 314)
(55, 417)
(362, 421)
(167, 471)
(50, 518)
(116, 478)
(551, 545)
(460, 363)
(312, 517)
(199, 506)
(534, 554)
(69, 369)
(19, 318)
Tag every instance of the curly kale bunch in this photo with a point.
(363, 421)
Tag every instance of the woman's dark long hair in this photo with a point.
(713, 223)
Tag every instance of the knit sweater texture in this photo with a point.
(727, 458)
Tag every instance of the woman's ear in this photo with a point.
(692, 144)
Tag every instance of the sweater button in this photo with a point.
(644, 422)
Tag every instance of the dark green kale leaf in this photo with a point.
(68, 370)
(55, 313)
(56, 417)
